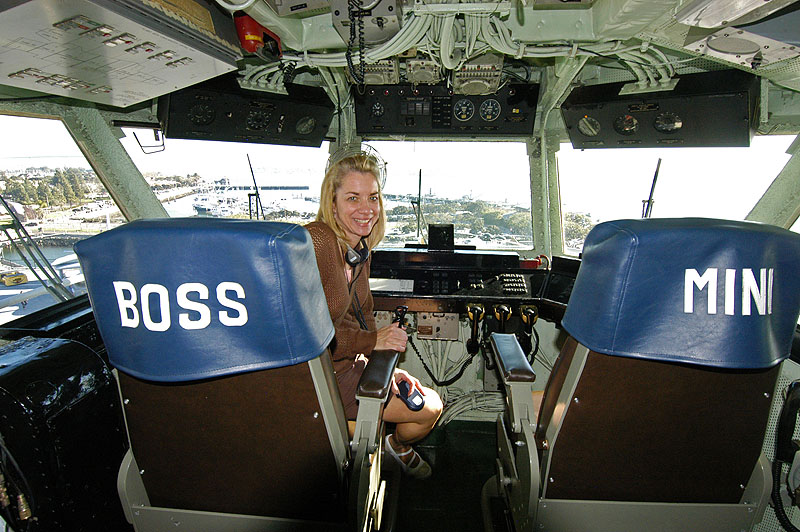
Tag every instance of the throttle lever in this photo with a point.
(475, 313)
(502, 313)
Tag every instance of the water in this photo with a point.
(50, 252)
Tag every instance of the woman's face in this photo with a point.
(356, 205)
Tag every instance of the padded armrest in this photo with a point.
(513, 364)
(377, 376)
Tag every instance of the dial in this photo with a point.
(589, 126)
(377, 109)
(667, 122)
(489, 110)
(257, 119)
(202, 114)
(463, 110)
(626, 125)
(305, 125)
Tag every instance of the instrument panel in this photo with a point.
(436, 110)
(707, 109)
(451, 281)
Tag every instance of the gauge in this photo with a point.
(667, 122)
(589, 126)
(626, 125)
(489, 110)
(377, 109)
(305, 125)
(463, 110)
(201, 114)
(257, 119)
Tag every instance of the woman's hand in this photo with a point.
(402, 375)
(391, 337)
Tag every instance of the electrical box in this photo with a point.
(118, 53)
(437, 326)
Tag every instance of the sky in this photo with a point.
(606, 184)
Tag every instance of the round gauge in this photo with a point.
(667, 122)
(305, 125)
(377, 109)
(257, 119)
(489, 110)
(463, 110)
(626, 125)
(201, 114)
(589, 126)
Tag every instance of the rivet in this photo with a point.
(316, 415)
(126, 401)
(141, 471)
(766, 394)
(575, 400)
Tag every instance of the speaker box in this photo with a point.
(221, 110)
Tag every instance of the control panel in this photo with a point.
(449, 282)
(221, 110)
(114, 52)
(707, 109)
(436, 110)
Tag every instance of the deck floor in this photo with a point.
(462, 455)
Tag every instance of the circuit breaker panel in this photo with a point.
(117, 53)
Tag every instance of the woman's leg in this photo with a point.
(412, 426)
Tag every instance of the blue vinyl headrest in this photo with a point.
(191, 298)
(709, 292)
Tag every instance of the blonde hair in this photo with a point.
(360, 162)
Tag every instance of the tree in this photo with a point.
(577, 225)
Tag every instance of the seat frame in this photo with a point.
(361, 458)
(521, 479)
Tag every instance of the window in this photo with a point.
(483, 188)
(210, 178)
(601, 185)
(53, 192)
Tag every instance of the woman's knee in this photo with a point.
(433, 404)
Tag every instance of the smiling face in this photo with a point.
(356, 205)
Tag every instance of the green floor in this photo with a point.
(462, 455)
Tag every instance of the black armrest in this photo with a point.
(377, 376)
(512, 362)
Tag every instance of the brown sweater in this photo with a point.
(350, 338)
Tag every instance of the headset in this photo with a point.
(353, 257)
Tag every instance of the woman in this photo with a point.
(350, 222)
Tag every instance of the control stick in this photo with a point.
(400, 315)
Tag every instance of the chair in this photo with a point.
(654, 415)
(219, 331)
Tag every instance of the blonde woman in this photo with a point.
(351, 221)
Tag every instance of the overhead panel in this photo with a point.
(434, 110)
(119, 52)
(708, 109)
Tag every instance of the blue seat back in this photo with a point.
(710, 292)
(193, 298)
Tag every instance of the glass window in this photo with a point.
(50, 188)
(210, 178)
(601, 185)
(483, 188)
